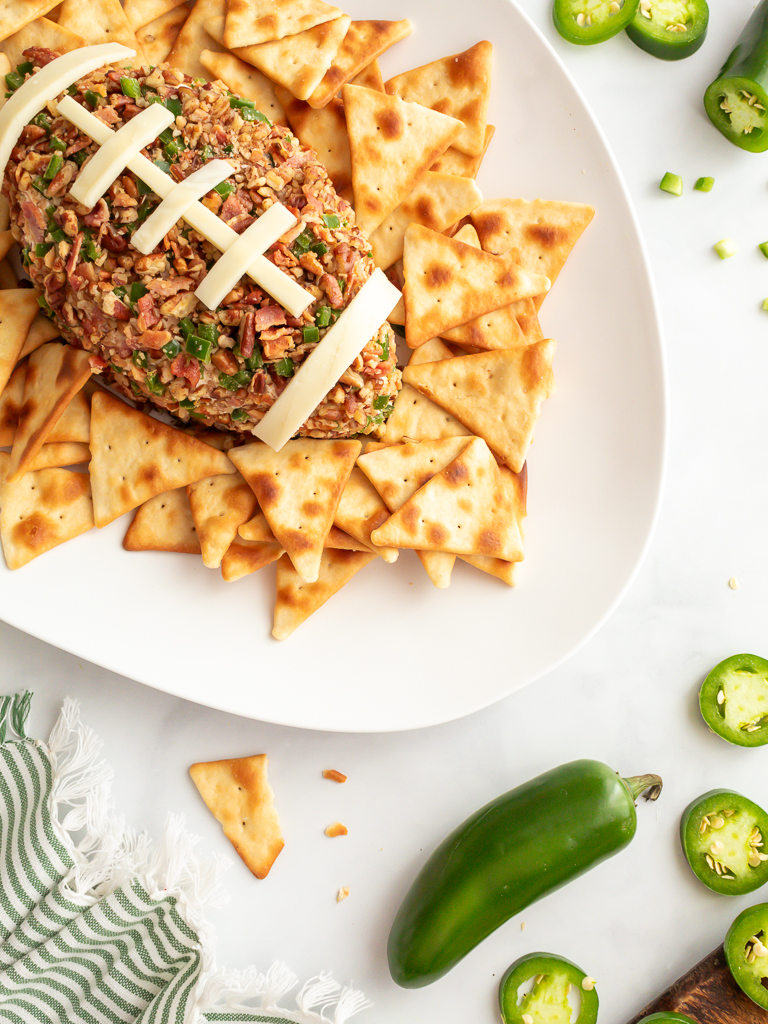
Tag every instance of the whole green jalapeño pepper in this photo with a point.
(518, 848)
(592, 21)
(669, 29)
(549, 999)
(737, 100)
(734, 700)
(746, 953)
(667, 1017)
(722, 834)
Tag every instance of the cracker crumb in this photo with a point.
(336, 829)
(733, 583)
(522, 926)
(333, 775)
(342, 893)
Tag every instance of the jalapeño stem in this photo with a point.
(650, 785)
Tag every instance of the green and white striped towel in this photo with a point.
(99, 927)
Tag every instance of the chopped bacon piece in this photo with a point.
(232, 208)
(34, 220)
(170, 286)
(77, 146)
(268, 316)
(186, 366)
(148, 315)
(74, 254)
(39, 55)
(99, 214)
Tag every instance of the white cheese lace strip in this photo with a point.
(106, 166)
(247, 252)
(46, 84)
(177, 202)
(198, 216)
(325, 365)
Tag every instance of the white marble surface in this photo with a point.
(628, 697)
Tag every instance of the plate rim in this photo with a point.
(661, 464)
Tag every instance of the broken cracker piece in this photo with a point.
(237, 792)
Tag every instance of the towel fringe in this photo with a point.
(247, 990)
(108, 855)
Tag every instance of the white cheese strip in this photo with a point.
(242, 254)
(177, 202)
(324, 367)
(106, 166)
(46, 84)
(198, 216)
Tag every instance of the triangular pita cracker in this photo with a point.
(247, 556)
(298, 489)
(14, 16)
(397, 472)
(325, 131)
(8, 278)
(41, 32)
(10, 403)
(459, 85)
(414, 416)
(158, 37)
(258, 531)
(462, 509)
(6, 237)
(55, 373)
(296, 599)
(392, 144)
(41, 511)
(370, 77)
(448, 283)
(437, 201)
(164, 523)
(134, 457)
(543, 230)
(195, 36)
(220, 505)
(41, 330)
(238, 794)
(250, 22)
(298, 62)
(453, 161)
(246, 81)
(142, 12)
(61, 453)
(496, 394)
(74, 424)
(364, 42)
(99, 21)
(516, 486)
(528, 318)
(18, 308)
(361, 510)
(499, 328)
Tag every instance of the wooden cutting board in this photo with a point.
(709, 995)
